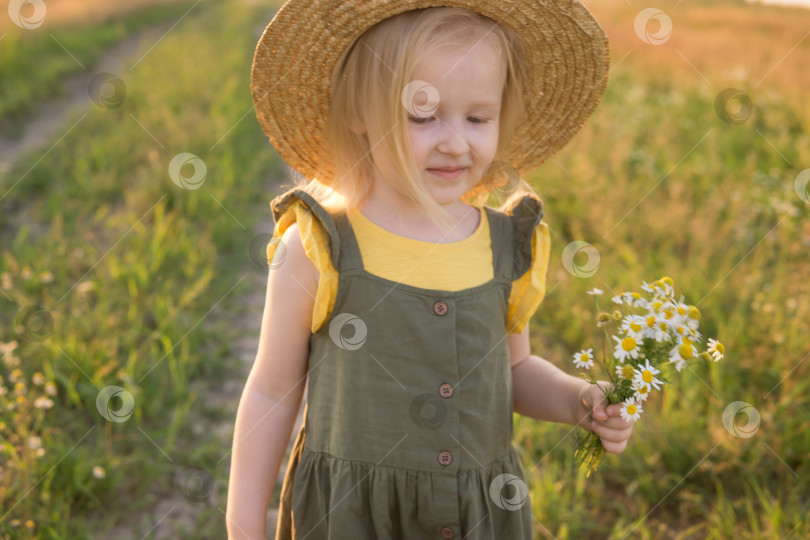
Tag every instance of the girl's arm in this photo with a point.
(273, 391)
(540, 389)
(543, 391)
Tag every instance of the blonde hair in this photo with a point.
(367, 83)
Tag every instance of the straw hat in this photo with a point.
(297, 53)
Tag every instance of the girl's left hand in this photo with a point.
(612, 429)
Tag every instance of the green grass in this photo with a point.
(23, 88)
(144, 262)
(151, 260)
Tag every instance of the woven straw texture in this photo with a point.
(296, 54)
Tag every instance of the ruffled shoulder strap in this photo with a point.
(320, 239)
(526, 215)
(280, 204)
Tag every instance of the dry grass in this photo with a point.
(756, 48)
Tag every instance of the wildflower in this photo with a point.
(617, 315)
(584, 359)
(646, 374)
(99, 472)
(34, 442)
(50, 388)
(631, 410)
(642, 391)
(602, 319)
(43, 403)
(38, 379)
(625, 371)
(633, 326)
(682, 352)
(618, 299)
(595, 292)
(716, 348)
(625, 348)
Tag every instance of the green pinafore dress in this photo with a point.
(408, 419)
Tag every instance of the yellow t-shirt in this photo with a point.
(448, 266)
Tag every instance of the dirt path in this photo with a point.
(53, 117)
(171, 512)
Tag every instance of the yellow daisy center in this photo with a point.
(631, 409)
(668, 281)
(628, 343)
(646, 376)
(584, 357)
(651, 321)
(627, 371)
(635, 326)
(694, 313)
(642, 390)
(719, 347)
(657, 305)
(668, 314)
(635, 295)
(685, 351)
(680, 330)
(658, 283)
(681, 310)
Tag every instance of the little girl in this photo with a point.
(396, 296)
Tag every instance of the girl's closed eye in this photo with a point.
(424, 119)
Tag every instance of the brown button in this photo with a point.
(445, 458)
(447, 532)
(446, 390)
(440, 308)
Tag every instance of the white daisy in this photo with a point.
(584, 359)
(631, 410)
(682, 352)
(618, 299)
(716, 348)
(595, 291)
(646, 374)
(642, 391)
(633, 325)
(625, 348)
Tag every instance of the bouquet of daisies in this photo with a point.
(655, 332)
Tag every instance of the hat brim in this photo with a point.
(297, 53)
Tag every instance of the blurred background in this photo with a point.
(134, 213)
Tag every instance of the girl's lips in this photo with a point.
(449, 175)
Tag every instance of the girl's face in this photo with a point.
(461, 134)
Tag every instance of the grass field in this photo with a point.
(113, 275)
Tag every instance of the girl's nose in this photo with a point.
(452, 139)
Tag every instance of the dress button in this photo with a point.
(446, 390)
(447, 532)
(445, 457)
(440, 308)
